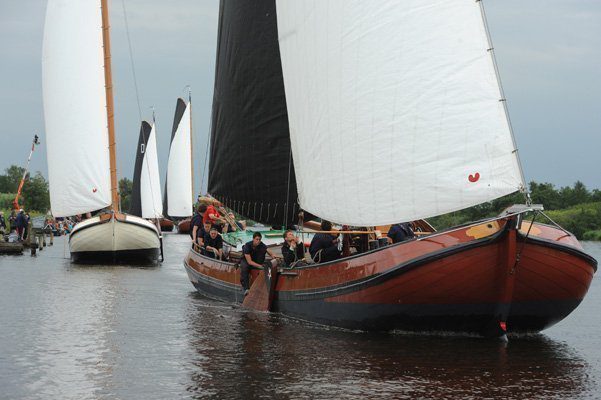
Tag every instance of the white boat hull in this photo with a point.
(108, 239)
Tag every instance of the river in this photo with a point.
(83, 332)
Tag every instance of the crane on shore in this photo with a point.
(35, 142)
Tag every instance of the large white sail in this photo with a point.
(179, 168)
(150, 184)
(394, 107)
(75, 107)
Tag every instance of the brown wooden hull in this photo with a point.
(462, 280)
(183, 226)
(166, 225)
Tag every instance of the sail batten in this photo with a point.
(178, 186)
(75, 108)
(394, 109)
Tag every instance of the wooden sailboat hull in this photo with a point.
(166, 225)
(462, 280)
(109, 239)
(183, 226)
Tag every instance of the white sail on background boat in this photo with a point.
(78, 113)
(179, 191)
(150, 183)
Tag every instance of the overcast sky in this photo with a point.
(549, 55)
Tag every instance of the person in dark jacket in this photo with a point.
(2, 224)
(292, 250)
(253, 255)
(20, 223)
(324, 246)
(213, 243)
(196, 224)
(400, 232)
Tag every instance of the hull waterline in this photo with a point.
(464, 280)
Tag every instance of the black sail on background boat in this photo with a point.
(370, 115)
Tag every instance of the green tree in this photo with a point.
(9, 182)
(125, 189)
(545, 194)
(35, 194)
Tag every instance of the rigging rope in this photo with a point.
(133, 70)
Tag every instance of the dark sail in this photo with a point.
(180, 107)
(250, 168)
(136, 199)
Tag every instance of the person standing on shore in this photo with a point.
(2, 224)
(20, 223)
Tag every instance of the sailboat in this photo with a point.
(180, 176)
(146, 200)
(78, 112)
(369, 114)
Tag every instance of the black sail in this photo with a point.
(251, 169)
(180, 108)
(136, 198)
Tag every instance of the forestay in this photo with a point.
(150, 184)
(394, 107)
(179, 166)
(75, 108)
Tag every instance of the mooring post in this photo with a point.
(33, 248)
(51, 236)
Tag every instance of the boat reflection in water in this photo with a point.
(248, 354)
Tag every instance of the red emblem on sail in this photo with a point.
(94, 190)
(474, 178)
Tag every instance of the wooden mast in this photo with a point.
(108, 84)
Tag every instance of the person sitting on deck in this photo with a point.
(324, 246)
(400, 232)
(292, 250)
(213, 244)
(253, 255)
(196, 225)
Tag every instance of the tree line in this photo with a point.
(576, 208)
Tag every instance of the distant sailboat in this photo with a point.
(370, 114)
(179, 183)
(146, 200)
(78, 111)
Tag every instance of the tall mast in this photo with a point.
(108, 82)
(191, 147)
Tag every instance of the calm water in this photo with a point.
(74, 332)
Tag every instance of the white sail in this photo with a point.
(150, 184)
(179, 170)
(394, 109)
(75, 107)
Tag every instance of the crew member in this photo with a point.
(196, 224)
(212, 215)
(213, 244)
(253, 256)
(292, 250)
(400, 232)
(324, 246)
